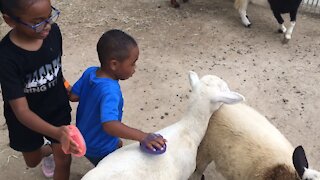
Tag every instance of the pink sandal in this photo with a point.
(76, 136)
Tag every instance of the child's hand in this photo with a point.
(70, 139)
(68, 144)
(154, 142)
(74, 147)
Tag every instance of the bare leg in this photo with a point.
(32, 159)
(62, 162)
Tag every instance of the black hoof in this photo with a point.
(285, 41)
(185, 1)
(248, 17)
(176, 5)
(249, 26)
(280, 31)
(202, 177)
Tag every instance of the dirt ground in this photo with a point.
(279, 80)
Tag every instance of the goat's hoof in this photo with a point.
(176, 5)
(285, 41)
(202, 177)
(185, 1)
(280, 31)
(247, 25)
(287, 37)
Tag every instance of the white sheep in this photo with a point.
(183, 139)
(245, 146)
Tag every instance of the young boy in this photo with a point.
(100, 98)
(35, 100)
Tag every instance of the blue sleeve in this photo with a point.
(76, 88)
(109, 107)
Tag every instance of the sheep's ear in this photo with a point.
(193, 78)
(228, 97)
(300, 161)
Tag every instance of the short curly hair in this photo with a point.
(114, 44)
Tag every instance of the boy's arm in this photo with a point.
(118, 129)
(28, 118)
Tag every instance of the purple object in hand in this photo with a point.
(151, 137)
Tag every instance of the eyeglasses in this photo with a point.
(40, 26)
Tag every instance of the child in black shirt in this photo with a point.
(35, 100)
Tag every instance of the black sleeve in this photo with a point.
(10, 80)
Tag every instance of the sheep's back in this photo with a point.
(129, 162)
(242, 140)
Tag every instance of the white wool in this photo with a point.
(243, 144)
(311, 174)
(184, 137)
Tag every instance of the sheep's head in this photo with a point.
(214, 89)
(300, 163)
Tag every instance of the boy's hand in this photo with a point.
(154, 141)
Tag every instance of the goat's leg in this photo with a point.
(290, 30)
(277, 15)
(175, 4)
(293, 16)
(241, 6)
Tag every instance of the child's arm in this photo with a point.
(34, 122)
(118, 129)
(72, 96)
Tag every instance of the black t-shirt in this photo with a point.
(36, 75)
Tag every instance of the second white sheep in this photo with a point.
(244, 145)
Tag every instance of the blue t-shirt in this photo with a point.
(100, 101)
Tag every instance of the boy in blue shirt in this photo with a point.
(100, 98)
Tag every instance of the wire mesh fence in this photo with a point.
(312, 6)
